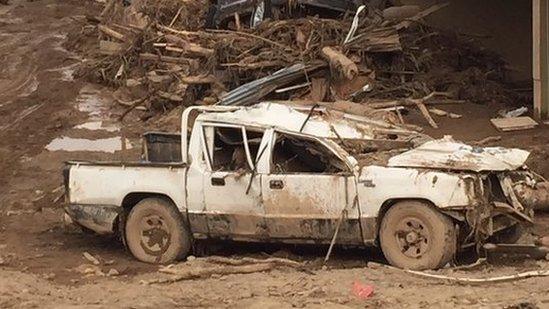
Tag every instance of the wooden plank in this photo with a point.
(113, 34)
(425, 112)
(514, 123)
(339, 62)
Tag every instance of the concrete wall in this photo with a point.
(506, 23)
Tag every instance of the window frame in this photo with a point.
(208, 153)
(277, 132)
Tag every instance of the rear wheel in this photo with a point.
(155, 232)
(413, 235)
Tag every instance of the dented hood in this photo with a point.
(448, 154)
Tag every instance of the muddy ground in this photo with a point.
(41, 262)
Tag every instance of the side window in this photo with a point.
(232, 149)
(293, 154)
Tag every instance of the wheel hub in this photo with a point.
(412, 237)
(155, 236)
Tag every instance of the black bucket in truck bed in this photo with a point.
(162, 147)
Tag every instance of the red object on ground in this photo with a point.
(363, 291)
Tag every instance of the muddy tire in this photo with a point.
(413, 235)
(156, 233)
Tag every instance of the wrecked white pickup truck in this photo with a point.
(275, 173)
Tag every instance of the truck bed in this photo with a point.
(97, 190)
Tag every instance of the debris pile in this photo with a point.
(160, 55)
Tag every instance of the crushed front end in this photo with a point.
(500, 208)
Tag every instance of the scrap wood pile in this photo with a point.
(159, 55)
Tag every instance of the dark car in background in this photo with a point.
(260, 9)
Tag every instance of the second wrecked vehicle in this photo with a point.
(275, 173)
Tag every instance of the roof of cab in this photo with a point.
(321, 122)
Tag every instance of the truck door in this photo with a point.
(232, 188)
(306, 190)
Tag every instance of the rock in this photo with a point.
(113, 272)
(10, 213)
(2, 261)
(87, 269)
(191, 258)
(91, 258)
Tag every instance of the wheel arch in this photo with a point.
(131, 199)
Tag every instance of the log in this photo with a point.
(108, 7)
(247, 260)
(206, 79)
(425, 112)
(112, 33)
(187, 274)
(184, 32)
(507, 278)
(168, 59)
(188, 47)
(340, 63)
(176, 16)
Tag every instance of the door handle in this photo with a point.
(276, 184)
(218, 181)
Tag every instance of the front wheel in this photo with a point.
(155, 232)
(415, 236)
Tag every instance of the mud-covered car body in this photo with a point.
(296, 181)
